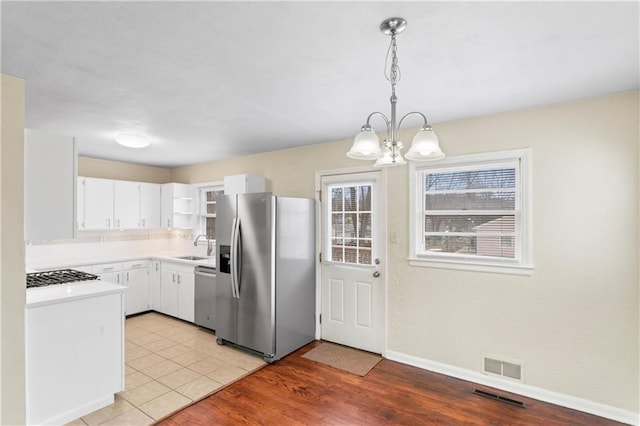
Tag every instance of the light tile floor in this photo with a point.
(169, 364)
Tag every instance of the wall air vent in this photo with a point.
(499, 367)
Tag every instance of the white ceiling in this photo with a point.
(214, 80)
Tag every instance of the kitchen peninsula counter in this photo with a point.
(74, 347)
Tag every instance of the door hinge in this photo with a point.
(320, 196)
(320, 257)
(320, 318)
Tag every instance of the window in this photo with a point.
(350, 210)
(472, 212)
(207, 198)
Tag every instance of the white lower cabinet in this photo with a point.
(74, 356)
(136, 279)
(111, 272)
(155, 301)
(165, 287)
(177, 288)
(135, 276)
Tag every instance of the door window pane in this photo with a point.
(351, 219)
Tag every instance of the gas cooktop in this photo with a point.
(60, 276)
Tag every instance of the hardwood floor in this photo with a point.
(295, 390)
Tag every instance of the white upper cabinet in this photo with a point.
(150, 205)
(104, 204)
(98, 197)
(117, 204)
(242, 184)
(177, 203)
(126, 204)
(49, 185)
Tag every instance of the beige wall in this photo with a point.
(574, 322)
(289, 172)
(93, 167)
(12, 274)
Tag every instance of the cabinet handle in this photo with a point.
(127, 277)
(178, 279)
(137, 265)
(174, 278)
(107, 269)
(108, 223)
(118, 278)
(157, 266)
(118, 224)
(168, 223)
(143, 223)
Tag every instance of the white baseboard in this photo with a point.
(551, 397)
(78, 412)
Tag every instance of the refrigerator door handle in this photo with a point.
(234, 253)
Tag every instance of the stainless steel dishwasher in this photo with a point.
(205, 296)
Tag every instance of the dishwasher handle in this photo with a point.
(204, 274)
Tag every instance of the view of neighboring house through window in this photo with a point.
(208, 197)
(351, 224)
(472, 210)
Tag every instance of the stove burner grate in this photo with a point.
(61, 276)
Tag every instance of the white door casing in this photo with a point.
(352, 276)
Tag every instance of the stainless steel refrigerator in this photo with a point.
(265, 289)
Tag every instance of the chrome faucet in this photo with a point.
(209, 246)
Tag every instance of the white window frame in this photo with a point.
(201, 211)
(522, 263)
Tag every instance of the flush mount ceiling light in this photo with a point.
(132, 141)
(366, 145)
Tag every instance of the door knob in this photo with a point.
(376, 274)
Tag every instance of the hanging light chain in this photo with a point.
(392, 72)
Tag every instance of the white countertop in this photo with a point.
(39, 296)
(164, 256)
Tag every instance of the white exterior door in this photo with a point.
(353, 260)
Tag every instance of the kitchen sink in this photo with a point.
(190, 257)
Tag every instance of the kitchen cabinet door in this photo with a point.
(98, 200)
(49, 186)
(149, 205)
(186, 296)
(112, 277)
(155, 293)
(80, 204)
(126, 205)
(169, 292)
(177, 289)
(137, 293)
(243, 184)
(166, 205)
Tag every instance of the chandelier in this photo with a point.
(366, 145)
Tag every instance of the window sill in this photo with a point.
(470, 266)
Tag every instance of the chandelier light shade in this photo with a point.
(366, 145)
(425, 146)
(388, 160)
